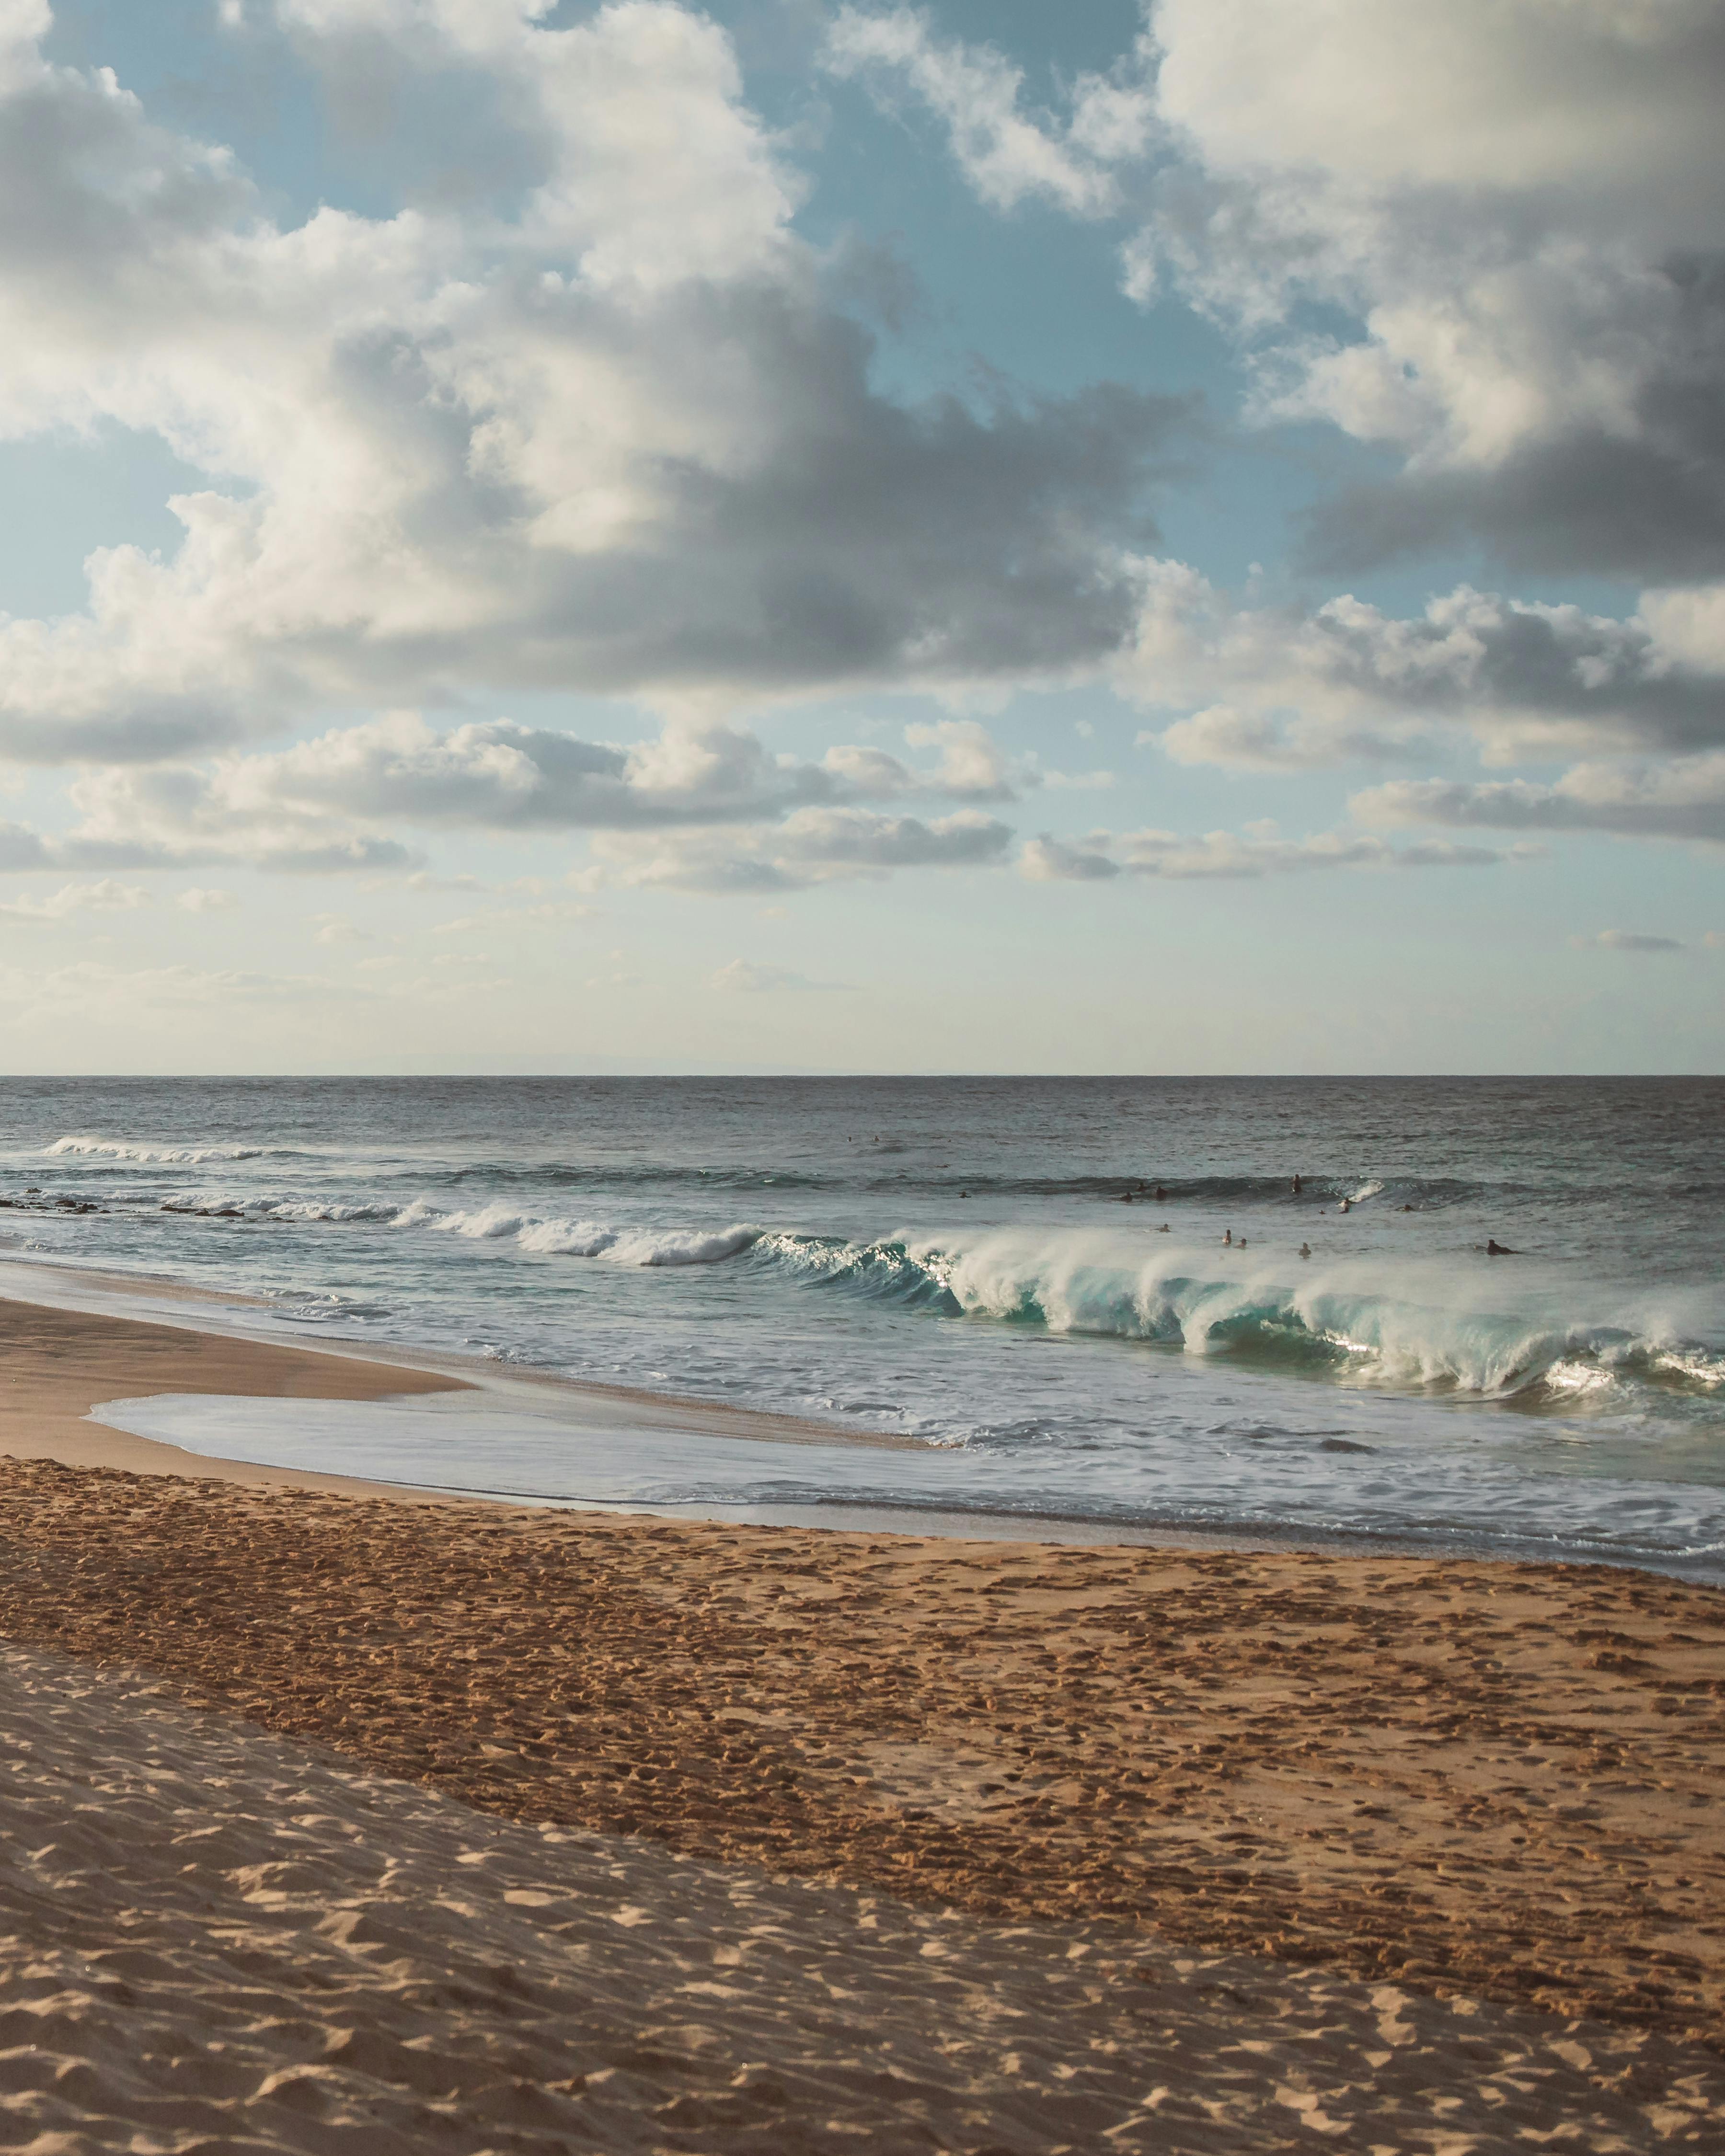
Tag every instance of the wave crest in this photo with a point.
(132, 1150)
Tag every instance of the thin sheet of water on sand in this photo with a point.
(545, 1443)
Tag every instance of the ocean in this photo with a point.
(1084, 1300)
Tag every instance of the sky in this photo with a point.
(1003, 535)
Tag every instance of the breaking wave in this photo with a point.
(1066, 1285)
(490, 1224)
(1091, 1282)
(168, 1155)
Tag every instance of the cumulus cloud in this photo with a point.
(1681, 799)
(327, 803)
(1229, 856)
(1514, 204)
(590, 436)
(1007, 154)
(813, 846)
(330, 928)
(199, 900)
(1283, 689)
(106, 897)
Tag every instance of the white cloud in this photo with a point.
(422, 879)
(588, 437)
(332, 928)
(320, 803)
(1516, 204)
(1005, 153)
(197, 900)
(1229, 856)
(1682, 799)
(1280, 689)
(106, 897)
(813, 846)
(1077, 782)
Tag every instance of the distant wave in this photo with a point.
(172, 1156)
(492, 1223)
(866, 1172)
(944, 1182)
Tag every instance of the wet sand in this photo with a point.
(1418, 1854)
(56, 1364)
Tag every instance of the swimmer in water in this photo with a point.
(1494, 1249)
(1240, 1244)
(1228, 1238)
(1164, 1230)
(1306, 1250)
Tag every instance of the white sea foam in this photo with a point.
(1087, 1282)
(131, 1149)
(493, 1224)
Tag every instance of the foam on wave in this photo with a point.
(490, 1224)
(131, 1149)
(1090, 1282)
(1076, 1284)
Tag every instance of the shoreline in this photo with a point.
(1293, 1801)
(236, 1362)
(66, 1356)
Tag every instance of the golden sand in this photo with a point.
(212, 1942)
(1495, 1788)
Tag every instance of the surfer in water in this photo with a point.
(1306, 1250)
(1228, 1239)
(1494, 1249)
(1296, 1186)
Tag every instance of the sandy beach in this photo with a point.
(556, 1829)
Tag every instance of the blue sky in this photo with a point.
(793, 536)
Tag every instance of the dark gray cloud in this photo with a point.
(1645, 500)
(1474, 652)
(878, 542)
(1683, 800)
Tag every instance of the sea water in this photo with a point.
(1085, 1299)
